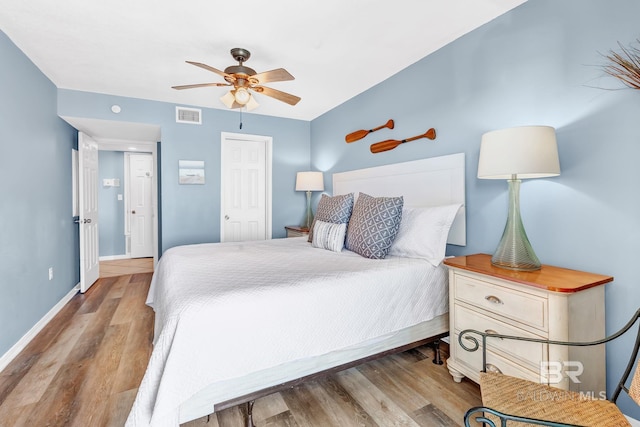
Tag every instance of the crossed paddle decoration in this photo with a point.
(388, 144)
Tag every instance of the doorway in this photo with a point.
(245, 205)
(138, 212)
(116, 184)
(118, 136)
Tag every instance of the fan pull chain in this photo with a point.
(240, 117)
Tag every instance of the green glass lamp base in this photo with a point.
(308, 219)
(514, 250)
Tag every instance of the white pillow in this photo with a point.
(328, 236)
(423, 233)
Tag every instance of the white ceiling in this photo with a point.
(336, 49)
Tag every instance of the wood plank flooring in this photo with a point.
(120, 267)
(84, 367)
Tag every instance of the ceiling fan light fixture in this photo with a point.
(242, 79)
(242, 96)
(252, 104)
(228, 99)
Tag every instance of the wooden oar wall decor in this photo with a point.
(390, 144)
(359, 134)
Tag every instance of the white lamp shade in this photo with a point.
(526, 151)
(252, 104)
(309, 181)
(228, 99)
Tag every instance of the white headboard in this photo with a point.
(428, 182)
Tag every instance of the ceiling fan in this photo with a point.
(243, 80)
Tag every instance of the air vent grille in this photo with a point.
(189, 115)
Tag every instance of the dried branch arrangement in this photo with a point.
(625, 65)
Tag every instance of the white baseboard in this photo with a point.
(22, 343)
(113, 257)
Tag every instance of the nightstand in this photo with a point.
(551, 303)
(296, 231)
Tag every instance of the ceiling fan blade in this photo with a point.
(208, 68)
(277, 75)
(199, 85)
(279, 95)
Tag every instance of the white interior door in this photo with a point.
(246, 188)
(140, 205)
(88, 201)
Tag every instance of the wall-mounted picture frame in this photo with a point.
(191, 172)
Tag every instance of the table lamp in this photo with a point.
(309, 181)
(514, 154)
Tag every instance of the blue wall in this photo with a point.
(110, 209)
(191, 213)
(538, 64)
(36, 226)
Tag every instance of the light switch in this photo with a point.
(119, 196)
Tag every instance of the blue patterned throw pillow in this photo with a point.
(336, 210)
(374, 225)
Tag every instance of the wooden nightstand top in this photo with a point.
(550, 278)
(297, 228)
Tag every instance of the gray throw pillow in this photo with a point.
(374, 225)
(336, 210)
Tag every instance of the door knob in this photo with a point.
(87, 221)
(226, 217)
(133, 212)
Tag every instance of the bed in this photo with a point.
(234, 321)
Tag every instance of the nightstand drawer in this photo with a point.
(520, 306)
(526, 353)
(473, 361)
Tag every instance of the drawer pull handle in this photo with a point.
(492, 368)
(493, 299)
(492, 332)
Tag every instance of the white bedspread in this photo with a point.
(224, 310)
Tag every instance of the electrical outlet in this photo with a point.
(50, 273)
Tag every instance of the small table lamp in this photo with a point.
(514, 154)
(309, 181)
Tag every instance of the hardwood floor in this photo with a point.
(84, 367)
(121, 267)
